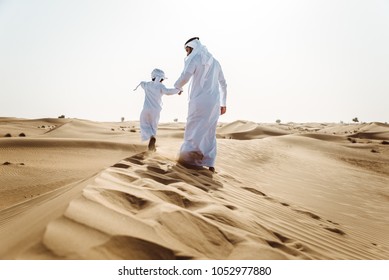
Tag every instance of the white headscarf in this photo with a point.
(157, 74)
(206, 57)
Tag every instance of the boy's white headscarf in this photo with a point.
(206, 57)
(157, 74)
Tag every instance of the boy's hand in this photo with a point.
(223, 110)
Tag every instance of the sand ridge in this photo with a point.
(305, 193)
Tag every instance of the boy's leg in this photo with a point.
(152, 144)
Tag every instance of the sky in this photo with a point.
(294, 61)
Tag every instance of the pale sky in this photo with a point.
(297, 61)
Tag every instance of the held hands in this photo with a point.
(223, 110)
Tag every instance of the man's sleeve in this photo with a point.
(223, 89)
(185, 76)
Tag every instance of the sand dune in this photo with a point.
(375, 131)
(288, 191)
(245, 130)
(45, 159)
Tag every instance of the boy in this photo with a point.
(152, 106)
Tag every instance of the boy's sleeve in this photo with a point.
(169, 91)
(143, 84)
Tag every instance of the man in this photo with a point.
(207, 101)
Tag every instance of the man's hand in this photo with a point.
(223, 110)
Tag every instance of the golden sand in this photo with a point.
(77, 189)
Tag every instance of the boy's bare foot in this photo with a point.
(152, 144)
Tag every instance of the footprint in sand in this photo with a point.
(121, 165)
(254, 191)
(10, 163)
(312, 215)
(335, 230)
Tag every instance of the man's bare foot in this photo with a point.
(190, 166)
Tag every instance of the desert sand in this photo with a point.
(78, 189)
